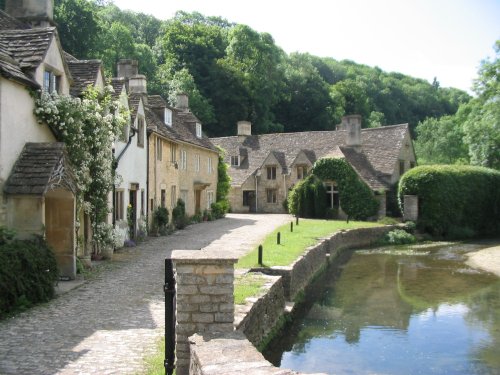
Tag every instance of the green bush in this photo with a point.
(179, 217)
(28, 272)
(307, 199)
(454, 199)
(219, 209)
(160, 219)
(399, 237)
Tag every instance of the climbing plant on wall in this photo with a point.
(357, 199)
(88, 128)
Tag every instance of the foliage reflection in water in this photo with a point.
(400, 310)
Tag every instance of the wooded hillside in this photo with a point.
(231, 72)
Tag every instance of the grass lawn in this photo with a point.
(247, 285)
(154, 362)
(294, 243)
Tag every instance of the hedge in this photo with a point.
(307, 198)
(28, 273)
(454, 199)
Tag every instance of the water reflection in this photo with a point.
(408, 310)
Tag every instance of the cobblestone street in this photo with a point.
(109, 324)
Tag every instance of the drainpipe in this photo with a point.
(256, 194)
(115, 167)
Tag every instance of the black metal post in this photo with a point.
(291, 226)
(260, 254)
(169, 289)
(278, 239)
(296, 220)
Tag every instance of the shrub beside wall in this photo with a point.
(28, 272)
(454, 200)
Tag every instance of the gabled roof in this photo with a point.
(183, 127)
(10, 69)
(84, 73)
(40, 168)
(118, 84)
(134, 100)
(374, 161)
(28, 46)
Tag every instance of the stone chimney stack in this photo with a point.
(138, 84)
(127, 68)
(352, 124)
(37, 13)
(244, 128)
(182, 102)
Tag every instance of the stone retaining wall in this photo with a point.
(257, 318)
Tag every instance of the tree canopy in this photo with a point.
(232, 72)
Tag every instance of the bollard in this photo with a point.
(169, 289)
(260, 254)
(278, 239)
(291, 226)
(297, 220)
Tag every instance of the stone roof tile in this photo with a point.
(84, 74)
(7, 22)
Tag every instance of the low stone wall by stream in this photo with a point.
(233, 352)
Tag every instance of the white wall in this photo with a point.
(54, 61)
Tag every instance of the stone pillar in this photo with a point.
(410, 208)
(204, 298)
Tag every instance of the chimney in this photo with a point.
(182, 102)
(37, 13)
(127, 68)
(244, 128)
(352, 124)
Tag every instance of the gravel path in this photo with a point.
(109, 324)
(486, 259)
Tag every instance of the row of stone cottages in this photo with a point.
(161, 155)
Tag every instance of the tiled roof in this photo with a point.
(84, 74)
(40, 167)
(375, 161)
(117, 84)
(28, 47)
(9, 68)
(156, 101)
(7, 22)
(133, 103)
(183, 127)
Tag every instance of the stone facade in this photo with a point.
(204, 298)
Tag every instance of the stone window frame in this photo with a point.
(183, 160)
(271, 172)
(197, 162)
(119, 204)
(159, 148)
(209, 165)
(235, 160)
(210, 199)
(272, 196)
(332, 192)
(51, 80)
(173, 152)
(302, 168)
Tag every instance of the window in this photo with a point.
(152, 204)
(209, 165)
(235, 161)
(173, 196)
(401, 167)
(140, 132)
(184, 159)
(271, 195)
(248, 197)
(198, 130)
(210, 199)
(412, 164)
(159, 146)
(163, 197)
(142, 202)
(119, 205)
(51, 81)
(301, 172)
(184, 195)
(168, 117)
(197, 162)
(271, 173)
(332, 195)
(173, 152)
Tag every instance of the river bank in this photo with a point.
(486, 259)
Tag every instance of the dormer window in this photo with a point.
(301, 172)
(271, 172)
(51, 81)
(198, 130)
(168, 117)
(235, 161)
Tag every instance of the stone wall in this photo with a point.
(204, 298)
(258, 317)
(356, 238)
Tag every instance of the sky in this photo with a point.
(446, 39)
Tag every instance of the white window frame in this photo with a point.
(168, 117)
(210, 199)
(235, 160)
(198, 130)
(209, 165)
(197, 162)
(51, 81)
(184, 160)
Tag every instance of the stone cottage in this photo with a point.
(182, 160)
(263, 168)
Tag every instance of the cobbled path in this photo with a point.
(109, 324)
